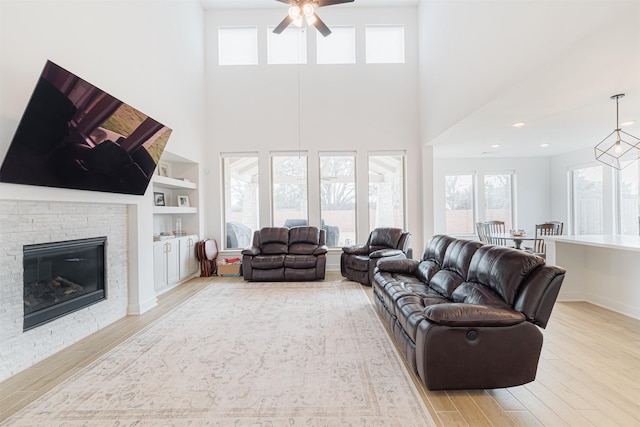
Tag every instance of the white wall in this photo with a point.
(357, 107)
(533, 187)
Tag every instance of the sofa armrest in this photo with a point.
(472, 315)
(398, 265)
(252, 251)
(322, 249)
(380, 253)
(356, 250)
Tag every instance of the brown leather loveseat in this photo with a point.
(468, 315)
(283, 254)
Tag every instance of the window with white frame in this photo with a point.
(629, 203)
(459, 204)
(241, 201)
(338, 198)
(587, 200)
(340, 48)
(498, 191)
(289, 189)
(288, 47)
(384, 44)
(386, 191)
(238, 46)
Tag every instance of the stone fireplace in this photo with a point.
(26, 223)
(62, 277)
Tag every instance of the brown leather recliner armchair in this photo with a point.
(358, 262)
(283, 254)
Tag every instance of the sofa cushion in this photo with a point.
(267, 262)
(502, 269)
(455, 314)
(303, 240)
(274, 240)
(384, 238)
(455, 266)
(475, 293)
(300, 261)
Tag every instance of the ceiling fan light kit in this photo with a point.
(619, 149)
(306, 9)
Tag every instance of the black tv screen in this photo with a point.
(74, 135)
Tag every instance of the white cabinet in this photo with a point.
(166, 263)
(174, 260)
(188, 261)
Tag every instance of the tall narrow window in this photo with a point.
(497, 199)
(338, 198)
(629, 201)
(340, 48)
(386, 191)
(587, 200)
(238, 46)
(384, 44)
(289, 192)
(459, 201)
(288, 47)
(240, 175)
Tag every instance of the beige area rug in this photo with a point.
(246, 354)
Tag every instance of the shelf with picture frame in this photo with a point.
(175, 195)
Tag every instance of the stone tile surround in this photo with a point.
(31, 222)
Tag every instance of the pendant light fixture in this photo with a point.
(619, 149)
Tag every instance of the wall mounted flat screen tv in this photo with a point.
(74, 135)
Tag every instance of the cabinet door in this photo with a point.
(188, 261)
(173, 261)
(159, 265)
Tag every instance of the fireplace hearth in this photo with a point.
(62, 277)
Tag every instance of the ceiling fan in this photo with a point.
(306, 9)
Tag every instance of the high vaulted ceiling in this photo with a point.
(486, 64)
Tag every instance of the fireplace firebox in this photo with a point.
(62, 277)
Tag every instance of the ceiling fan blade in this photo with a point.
(285, 1)
(321, 26)
(321, 3)
(282, 25)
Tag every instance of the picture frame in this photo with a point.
(158, 199)
(183, 201)
(163, 169)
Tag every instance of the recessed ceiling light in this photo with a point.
(629, 123)
(544, 145)
(495, 145)
(518, 124)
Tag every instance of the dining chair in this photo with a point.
(494, 229)
(559, 223)
(483, 235)
(546, 229)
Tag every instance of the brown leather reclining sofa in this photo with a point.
(468, 315)
(283, 254)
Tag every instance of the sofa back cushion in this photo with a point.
(455, 266)
(433, 256)
(502, 269)
(273, 240)
(384, 238)
(303, 240)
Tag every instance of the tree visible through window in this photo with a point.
(338, 199)
(459, 204)
(497, 199)
(587, 198)
(386, 191)
(289, 192)
(240, 175)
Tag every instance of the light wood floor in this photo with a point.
(589, 372)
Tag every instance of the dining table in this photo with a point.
(517, 239)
